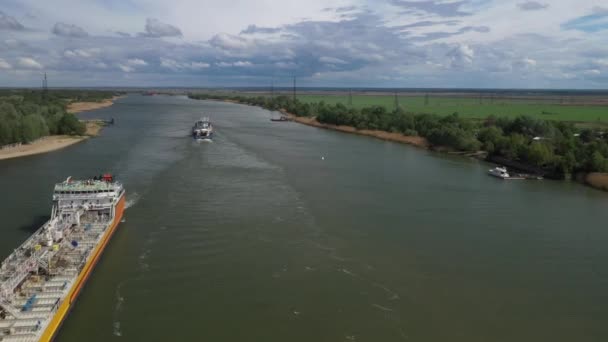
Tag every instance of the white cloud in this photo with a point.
(525, 63)
(156, 29)
(174, 65)
(593, 72)
(199, 65)
(131, 64)
(239, 64)
(136, 62)
(493, 45)
(229, 42)
(28, 63)
(82, 53)
(372, 57)
(4, 64)
(100, 65)
(332, 60)
(125, 68)
(461, 56)
(242, 64)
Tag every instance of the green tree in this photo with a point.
(598, 162)
(539, 154)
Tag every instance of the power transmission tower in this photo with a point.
(396, 101)
(272, 88)
(294, 89)
(45, 88)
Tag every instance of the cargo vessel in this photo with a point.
(202, 130)
(41, 279)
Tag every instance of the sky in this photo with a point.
(561, 44)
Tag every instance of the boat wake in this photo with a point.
(116, 330)
(132, 199)
(117, 309)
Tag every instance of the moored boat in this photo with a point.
(282, 118)
(499, 172)
(41, 279)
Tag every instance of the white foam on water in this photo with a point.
(116, 331)
(132, 199)
(383, 308)
(392, 295)
(345, 271)
(117, 309)
(144, 266)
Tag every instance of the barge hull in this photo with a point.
(55, 324)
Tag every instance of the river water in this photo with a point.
(283, 232)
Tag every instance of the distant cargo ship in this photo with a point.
(41, 279)
(202, 129)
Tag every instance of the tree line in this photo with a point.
(556, 147)
(26, 115)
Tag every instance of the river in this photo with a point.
(284, 232)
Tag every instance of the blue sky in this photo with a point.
(349, 43)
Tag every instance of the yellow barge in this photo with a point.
(40, 280)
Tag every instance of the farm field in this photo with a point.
(474, 108)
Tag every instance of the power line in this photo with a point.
(272, 88)
(294, 89)
(396, 101)
(45, 87)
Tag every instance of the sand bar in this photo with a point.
(77, 107)
(50, 143)
(42, 145)
(396, 137)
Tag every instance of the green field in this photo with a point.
(472, 108)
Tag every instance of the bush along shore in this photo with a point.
(34, 122)
(27, 115)
(552, 149)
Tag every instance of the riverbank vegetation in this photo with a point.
(27, 115)
(554, 148)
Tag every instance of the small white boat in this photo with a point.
(499, 172)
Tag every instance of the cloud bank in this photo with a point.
(391, 43)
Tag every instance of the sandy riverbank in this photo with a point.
(597, 180)
(77, 107)
(42, 145)
(50, 143)
(396, 137)
(56, 142)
